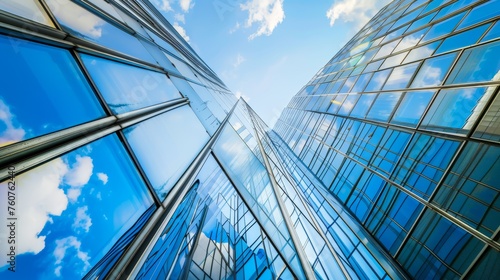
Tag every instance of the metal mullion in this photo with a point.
(187, 264)
(306, 265)
(479, 256)
(33, 152)
(312, 220)
(254, 215)
(131, 262)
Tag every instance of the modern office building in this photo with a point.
(124, 156)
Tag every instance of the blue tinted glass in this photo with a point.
(421, 22)
(84, 24)
(424, 163)
(165, 145)
(477, 64)
(57, 95)
(470, 192)
(126, 87)
(412, 107)
(348, 84)
(456, 109)
(348, 104)
(450, 246)
(400, 76)
(485, 11)
(411, 40)
(442, 28)
(433, 71)
(463, 39)
(422, 52)
(493, 33)
(373, 66)
(378, 80)
(382, 108)
(361, 83)
(363, 104)
(69, 201)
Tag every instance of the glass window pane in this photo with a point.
(378, 80)
(477, 64)
(400, 76)
(463, 39)
(442, 28)
(30, 9)
(384, 105)
(457, 110)
(411, 40)
(422, 52)
(57, 95)
(486, 11)
(66, 203)
(348, 104)
(177, 136)
(412, 107)
(361, 83)
(489, 127)
(86, 25)
(433, 71)
(126, 87)
(493, 33)
(363, 104)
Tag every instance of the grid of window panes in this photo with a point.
(103, 87)
(401, 125)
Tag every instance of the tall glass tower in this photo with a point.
(124, 156)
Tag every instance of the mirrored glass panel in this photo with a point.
(30, 9)
(378, 80)
(482, 12)
(363, 104)
(433, 71)
(382, 108)
(400, 76)
(57, 95)
(412, 107)
(463, 39)
(493, 33)
(75, 212)
(489, 127)
(165, 146)
(477, 65)
(125, 87)
(442, 28)
(456, 110)
(86, 25)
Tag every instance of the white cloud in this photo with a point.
(65, 244)
(358, 12)
(236, 27)
(181, 31)
(164, 5)
(180, 18)
(103, 177)
(186, 5)
(267, 14)
(239, 60)
(11, 133)
(80, 172)
(82, 219)
(39, 198)
(77, 18)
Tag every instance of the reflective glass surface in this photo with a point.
(86, 25)
(456, 109)
(383, 106)
(400, 76)
(463, 39)
(477, 64)
(433, 71)
(57, 96)
(412, 107)
(64, 204)
(126, 87)
(29, 9)
(165, 146)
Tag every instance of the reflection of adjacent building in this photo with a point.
(134, 161)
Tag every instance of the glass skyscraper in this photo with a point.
(124, 156)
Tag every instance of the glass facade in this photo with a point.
(124, 156)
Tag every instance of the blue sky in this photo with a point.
(266, 50)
